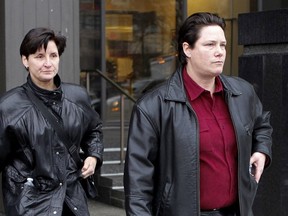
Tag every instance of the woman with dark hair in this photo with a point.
(40, 175)
(197, 144)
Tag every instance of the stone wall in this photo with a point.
(264, 63)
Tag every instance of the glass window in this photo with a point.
(139, 49)
(90, 28)
(140, 42)
(90, 48)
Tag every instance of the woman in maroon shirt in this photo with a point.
(193, 140)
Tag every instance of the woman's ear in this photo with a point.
(186, 49)
(25, 62)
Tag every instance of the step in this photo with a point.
(115, 124)
(118, 199)
(113, 182)
(108, 169)
(119, 194)
(112, 137)
(110, 177)
(109, 193)
(113, 154)
(108, 196)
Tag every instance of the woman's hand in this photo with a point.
(257, 161)
(88, 168)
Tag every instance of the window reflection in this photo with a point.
(139, 48)
(140, 37)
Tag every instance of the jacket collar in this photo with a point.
(175, 90)
(46, 95)
(228, 87)
(175, 87)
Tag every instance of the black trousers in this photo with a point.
(217, 213)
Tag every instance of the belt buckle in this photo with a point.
(211, 212)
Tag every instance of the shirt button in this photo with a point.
(57, 153)
(55, 212)
(60, 183)
(75, 208)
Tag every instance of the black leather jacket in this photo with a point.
(30, 148)
(162, 162)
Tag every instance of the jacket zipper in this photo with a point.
(198, 164)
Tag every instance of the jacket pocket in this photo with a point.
(254, 187)
(249, 128)
(165, 200)
(13, 181)
(19, 195)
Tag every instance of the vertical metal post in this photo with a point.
(260, 5)
(122, 120)
(88, 81)
(103, 61)
(231, 46)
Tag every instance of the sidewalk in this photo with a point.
(97, 208)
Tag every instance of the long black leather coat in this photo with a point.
(30, 148)
(162, 161)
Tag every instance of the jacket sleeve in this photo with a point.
(262, 132)
(5, 146)
(140, 164)
(92, 142)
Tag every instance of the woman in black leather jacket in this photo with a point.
(39, 175)
(197, 144)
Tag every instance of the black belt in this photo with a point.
(230, 211)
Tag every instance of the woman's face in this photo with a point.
(206, 59)
(43, 65)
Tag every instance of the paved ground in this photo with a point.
(102, 209)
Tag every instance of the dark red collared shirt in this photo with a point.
(218, 148)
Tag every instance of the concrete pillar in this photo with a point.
(264, 63)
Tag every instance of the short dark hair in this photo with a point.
(189, 31)
(38, 37)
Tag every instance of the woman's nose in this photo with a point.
(219, 50)
(47, 62)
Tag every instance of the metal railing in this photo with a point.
(118, 87)
(122, 104)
